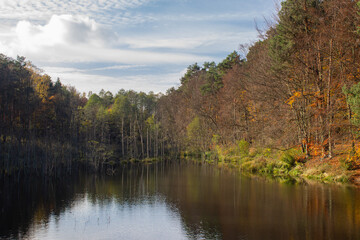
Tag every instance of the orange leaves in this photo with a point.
(293, 98)
(316, 149)
(251, 108)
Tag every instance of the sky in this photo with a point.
(143, 45)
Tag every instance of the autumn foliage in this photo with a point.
(288, 91)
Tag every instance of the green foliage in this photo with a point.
(150, 122)
(353, 99)
(191, 71)
(196, 135)
(209, 155)
(254, 166)
(294, 19)
(94, 101)
(220, 153)
(297, 171)
(121, 107)
(213, 79)
(106, 97)
(288, 159)
(244, 148)
(267, 152)
(290, 156)
(215, 139)
(229, 62)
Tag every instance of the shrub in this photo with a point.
(350, 163)
(270, 166)
(250, 166)
(267, 152)
(246, 159)
(296, 171)
(347, 164)
(220, 153)
(209, 155)
(257, 165)
(244, 148)
(288, 159)
(290, 156)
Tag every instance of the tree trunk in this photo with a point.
(147, 142)
(122, 137)
(329, 112)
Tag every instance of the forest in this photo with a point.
(47, 127)
(296, 88)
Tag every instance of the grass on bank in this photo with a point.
(289, 163)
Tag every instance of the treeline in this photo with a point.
(298, 86)
(39, 120)
(47, 128)
(121, 127)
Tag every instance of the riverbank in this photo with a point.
(284, 164)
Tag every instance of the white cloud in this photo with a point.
(72, 70)
(68, 38)
(43, 9)
(219, 17)
(117, 67)
(60, 30)
(201, 39)
(178, 43)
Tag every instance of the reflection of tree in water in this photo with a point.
(212, 203)
(32, 201)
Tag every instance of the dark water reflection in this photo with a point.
(176, 201)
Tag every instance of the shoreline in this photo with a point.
(274, 164)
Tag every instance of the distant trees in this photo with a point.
(120, 127)
(46, 127)
(38, 119)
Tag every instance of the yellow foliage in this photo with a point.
(293, 98)
(354, 156)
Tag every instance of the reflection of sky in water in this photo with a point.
(150, 218)
(179, 202)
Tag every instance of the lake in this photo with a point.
(176, 201)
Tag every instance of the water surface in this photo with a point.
(176, 201)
